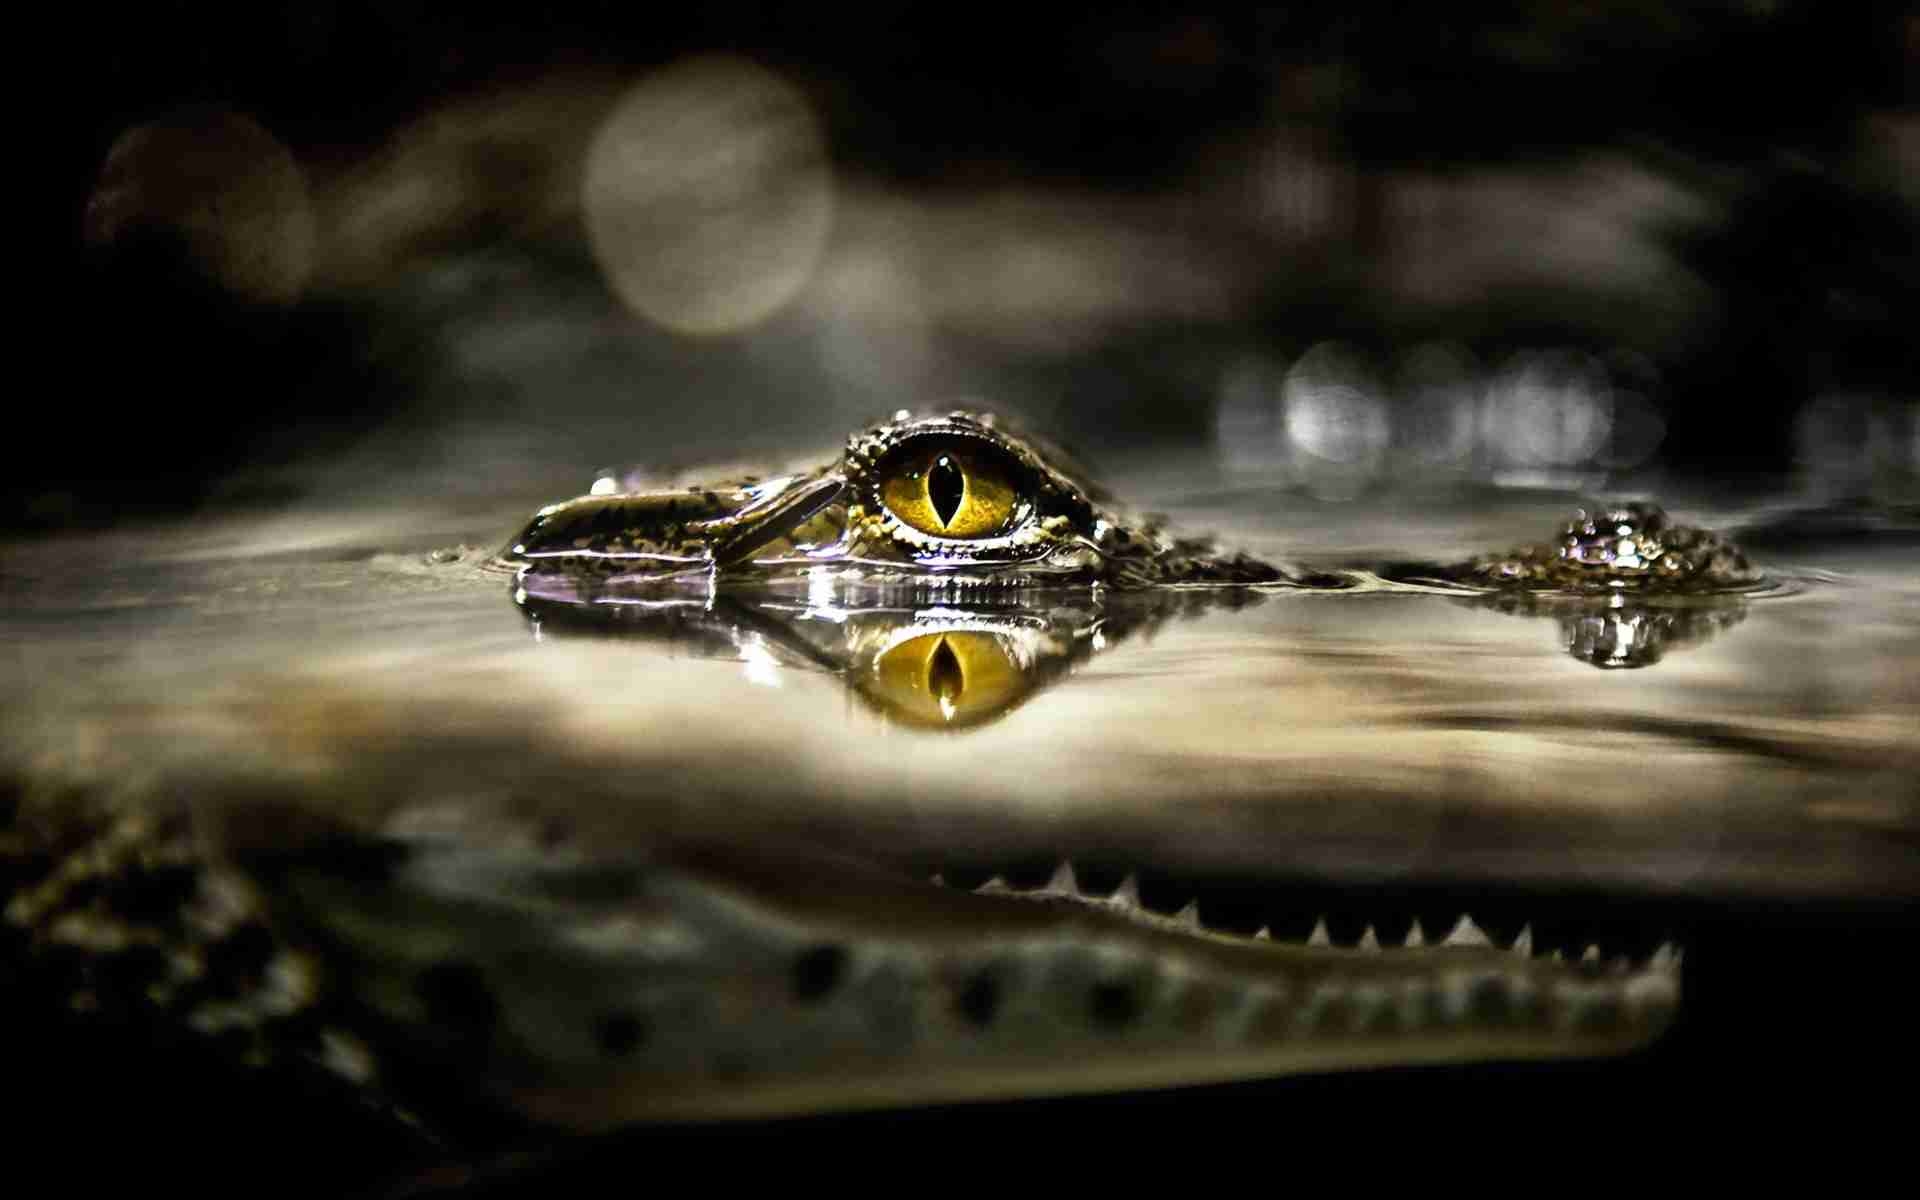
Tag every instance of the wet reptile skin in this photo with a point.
(678, 976)
(1058, 528)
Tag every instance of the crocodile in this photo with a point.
(581, 988)
(1624, 581)
(706, 964)
(1630, 548)
(954, 501)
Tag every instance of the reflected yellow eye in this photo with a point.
(947, 680)
(951, 487)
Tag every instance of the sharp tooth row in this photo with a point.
(1065, 884)
(1466, 933)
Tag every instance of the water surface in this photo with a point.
(1748, 788)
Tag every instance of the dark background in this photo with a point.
(1789, 129)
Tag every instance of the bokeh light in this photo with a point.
(1333, 406)
(1546, 409)
(708, 195)
(1335, 421)
(1638, 425)
(1857, 444)
(215, 190)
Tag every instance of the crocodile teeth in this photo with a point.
(1466, 933)
(1063, 882)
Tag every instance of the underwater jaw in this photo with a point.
(705, 982)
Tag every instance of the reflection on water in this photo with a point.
(670, 856)
(1615, 632)
(941, 666)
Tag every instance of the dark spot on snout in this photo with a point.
(1114, 1004)
(816, 972)
(979, 998)
(1599, 1014)
(1490, 999)
(128, 972)
(155, 893)
(458, 1000)
(239, 959)
(620, 1033)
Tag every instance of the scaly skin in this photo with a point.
(1623, 547)
(1060, 531)
(583, 990)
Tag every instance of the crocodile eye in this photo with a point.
(948, 679)
(952, 487)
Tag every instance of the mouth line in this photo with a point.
(1598, 935)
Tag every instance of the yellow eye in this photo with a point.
(947, 680)
(951, 487)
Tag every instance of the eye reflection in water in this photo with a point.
(949, 680)
(1622, 632)
(942, 667)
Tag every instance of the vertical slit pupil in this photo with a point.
(946, 487)
(945, 679)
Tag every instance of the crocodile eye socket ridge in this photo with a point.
(961, 488)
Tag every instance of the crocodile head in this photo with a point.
(589, 924)
(1605, 550)
(953, 499)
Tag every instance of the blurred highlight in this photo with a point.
(216, 189)
(1330, 423)
(708, 195)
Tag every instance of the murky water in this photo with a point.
(1764, 743)
(1682, 767)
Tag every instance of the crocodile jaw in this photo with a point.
(744, 992)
